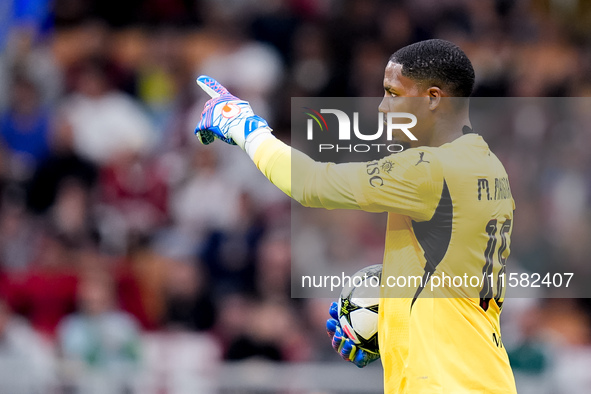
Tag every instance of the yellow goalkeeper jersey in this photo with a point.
(450, 215)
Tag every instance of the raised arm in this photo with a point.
(393, 184)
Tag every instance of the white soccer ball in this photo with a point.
(358, 307)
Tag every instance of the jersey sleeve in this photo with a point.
(408, 183)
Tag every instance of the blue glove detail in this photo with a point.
(344, 346)
(214, 89)
(211, 86)
(225, 116)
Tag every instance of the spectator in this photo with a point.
(22, 349)
(230, 252)
(136, 190)
(101, 338)
(204, 178)
(24, 128)
(45, 293)
(17, 233)
(270, 332)
(141, 278)
(189, 304)
(105, 122)
(62, 165)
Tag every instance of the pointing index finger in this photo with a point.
(211, 86)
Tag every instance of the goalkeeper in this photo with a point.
(441, 218)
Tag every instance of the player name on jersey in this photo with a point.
(502, 191)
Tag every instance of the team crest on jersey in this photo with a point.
(230, 110)
(387, 166)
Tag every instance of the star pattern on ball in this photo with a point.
(371, 343)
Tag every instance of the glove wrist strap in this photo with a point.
(255, 139)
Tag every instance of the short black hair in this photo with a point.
(437, 63)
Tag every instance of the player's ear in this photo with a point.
(434, 94)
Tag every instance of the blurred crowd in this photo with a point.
(115, 224)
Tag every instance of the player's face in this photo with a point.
(397, 85)
(402, 94)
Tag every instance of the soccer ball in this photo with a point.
(358, 307)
